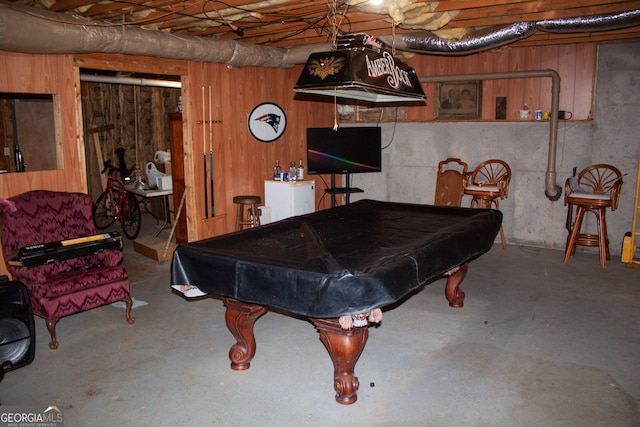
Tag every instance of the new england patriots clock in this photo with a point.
(267, 122)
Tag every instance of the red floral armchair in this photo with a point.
(69, 286)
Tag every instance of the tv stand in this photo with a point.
(347, 190)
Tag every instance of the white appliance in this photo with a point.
(265, 214)
(287, 199)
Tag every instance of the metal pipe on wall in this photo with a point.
(552, 190)
(85, 77)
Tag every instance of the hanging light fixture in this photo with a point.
(363, 68)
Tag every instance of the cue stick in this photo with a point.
(211, 151)
(204, 156)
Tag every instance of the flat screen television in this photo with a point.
(346, 150)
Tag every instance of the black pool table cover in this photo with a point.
(341, 261)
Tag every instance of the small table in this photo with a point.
(150, 193)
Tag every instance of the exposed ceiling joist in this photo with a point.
(283, 23)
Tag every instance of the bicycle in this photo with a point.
(116, 203)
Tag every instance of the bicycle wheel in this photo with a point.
(130, 217)
(103, 211)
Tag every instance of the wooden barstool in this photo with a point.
(252, 219)
(594, 190)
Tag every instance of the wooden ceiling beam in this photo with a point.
(115, 10)
(291, 22)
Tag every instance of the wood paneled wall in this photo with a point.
(51, 74)
(241, 163)
(576, 64)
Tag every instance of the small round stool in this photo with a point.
(252, 219)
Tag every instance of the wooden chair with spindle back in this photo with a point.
(487, 184)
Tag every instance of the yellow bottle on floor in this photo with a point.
(628, 248)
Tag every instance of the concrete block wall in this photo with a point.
(413, 151)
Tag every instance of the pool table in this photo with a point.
(335, 265)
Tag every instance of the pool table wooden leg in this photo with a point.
(345, 347)
(452, 290)
(240, 318)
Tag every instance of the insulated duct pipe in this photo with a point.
(493, 37)
(552, 190)
(28, 30)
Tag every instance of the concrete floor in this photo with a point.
(537, 343)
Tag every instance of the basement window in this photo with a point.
(28, 132)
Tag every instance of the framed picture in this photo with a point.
(458, 100)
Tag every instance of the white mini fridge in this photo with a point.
(287, 199)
